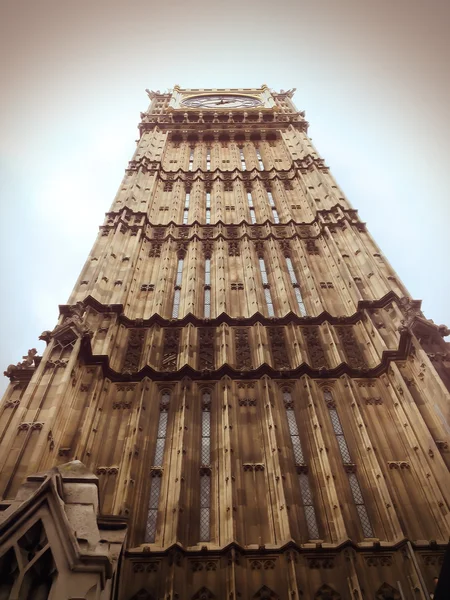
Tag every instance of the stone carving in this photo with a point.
(31, 425)
(55, 364)
(158, 233)
(311, 247)
(73, 327)
(387, 592)
(260, 565)
(265, 593)
(27, 363)
(107, 470)
(436, 559)
(398, 464)
(285, 248)
(206, 339)
(320, 562)
(350, 345)
(146, 567)
(325, 592)
(12, 403)
(411, 310)
(234, 249)
(259, 248)
(155, 250)
(134, 350)
(204, 565)
(256, 232)
(247, 402)
(170, 349)
(378, 560)
(373, 401)
(278, 346)
(208, 247)
(253, 466)
(243, 350)
(122, 404)
(317, 358)
(227, 182)
(203, 594)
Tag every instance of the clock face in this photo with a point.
(221, 101)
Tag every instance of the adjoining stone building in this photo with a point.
(240, 399)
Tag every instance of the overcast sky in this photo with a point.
(373, 77)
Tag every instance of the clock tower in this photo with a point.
(240, 399)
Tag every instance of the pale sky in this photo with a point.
(373, 78)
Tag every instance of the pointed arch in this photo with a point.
(325, 592)
(265, 593)
(203, 594)
(387, 592)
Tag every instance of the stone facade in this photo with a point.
(260, 409)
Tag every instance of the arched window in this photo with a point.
(251, 207)
(156, 469)
(208, 207)
(207, 289)
(266, 286)
(276, 218)
(187, 200)
(205, 468)
(302, 469)
(295, 285)
(349, 467)
(177, 290)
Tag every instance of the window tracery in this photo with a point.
(348, 465)
(177, 289)
(266, 287)
(156, 469)
(302, 469)
(205, 468)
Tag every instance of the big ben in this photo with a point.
(240, 398)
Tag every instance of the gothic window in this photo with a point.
(186, 208)
(207, 290)
(266, 286)
(276, 219)
(305, 489)
(208, 208)
(191, 159)
(156, 471)
(349, 466)
(243, 166)
(208, 159)
(251, 207)
(260, 162)
(177, 292)
(295, 285)
(205, 469)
